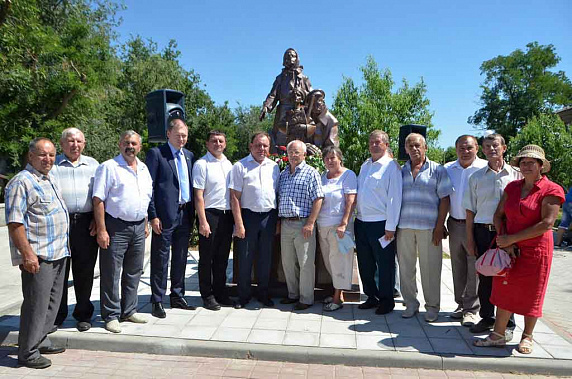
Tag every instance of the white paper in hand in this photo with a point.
(383, 242)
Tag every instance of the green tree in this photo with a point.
(549, 132)
(519, 86)
(375, 104)
(56, 63)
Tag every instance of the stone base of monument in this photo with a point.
(323, 287)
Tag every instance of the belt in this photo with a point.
(218, 211)
(457, 220)
(182, 206)
(489, 227)
(297, 218)
(78, 216)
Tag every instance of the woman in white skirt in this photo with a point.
(336, 220)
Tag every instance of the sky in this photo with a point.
(236, 46)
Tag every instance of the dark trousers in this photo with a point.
(213, 253)
(483, 240)
(83, 257)
(174, 239)
(122, 260)
(260, 229)
(42, 295)
(371, 258)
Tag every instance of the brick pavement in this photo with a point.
(98, 364)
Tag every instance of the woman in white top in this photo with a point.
(336, 220)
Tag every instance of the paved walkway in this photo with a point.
(97, 364)
(348, 336)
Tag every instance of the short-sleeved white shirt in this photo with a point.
(257, 183)
(334, 204)
(460, 178)
(213, 176)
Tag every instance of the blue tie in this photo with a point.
(183, 178)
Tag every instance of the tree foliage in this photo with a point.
(549, 132)
(519, 86)
(247, 122)
(375, 104)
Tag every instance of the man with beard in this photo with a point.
(122, 191)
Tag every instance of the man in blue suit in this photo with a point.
(171, 213)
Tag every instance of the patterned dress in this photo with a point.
(522, 290)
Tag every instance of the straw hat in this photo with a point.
(532, 151)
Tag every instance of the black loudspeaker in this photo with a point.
(163, 105)
(404, 131)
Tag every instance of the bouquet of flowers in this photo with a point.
(281, 158)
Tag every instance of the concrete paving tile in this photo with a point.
(272, 337)
(175, 319)
(424, 373)
(403, 330)
(420, 344)
(489, 351)
(337, 327)
(377, 342)
(438, 331)
(271, 324)
(537, 352)
(301, 339)
(274, 314)
(306, 316)
(238, 322)
(231, 334)
(344, 341)
(459, 374)
(236, 373)
(312, 326)
(348, 372)
(198, 332)
(450, 346)
(370, 328)
(558, 351)
(224, 311)
(551, 339)
(264, 375)
(206, 320)
(173, 331)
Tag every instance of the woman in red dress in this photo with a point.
(525, 216)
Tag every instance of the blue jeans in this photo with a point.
(566, 216)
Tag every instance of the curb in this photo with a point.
(298, 354)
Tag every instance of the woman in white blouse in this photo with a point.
(336, 221)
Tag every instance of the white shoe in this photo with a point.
(113, 326)
(431, 315)
(469, 319)
(136, 318)
(409, 312)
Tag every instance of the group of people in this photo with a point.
(69, 205)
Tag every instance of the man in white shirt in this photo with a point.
(211, 176)
(378, 210)
(463, 263)
(122, 191)
(480, 201)
(253, 185)
(74, 173)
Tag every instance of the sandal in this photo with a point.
(330, 307)
(526, 344)
(487, 342)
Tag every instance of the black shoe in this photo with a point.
(301, 306)
(40, 362)
(287, 300)
(240, 304)
(211, 304)
(52, 350)
(83, 326)
(158, 311)
(369, 303)
(225, 301)
(266, 302)
(383, 309)
(53, 329)
(396, 293)
(482, 326)
(181, 303)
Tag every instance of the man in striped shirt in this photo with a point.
(38, 226)
(74, 174)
